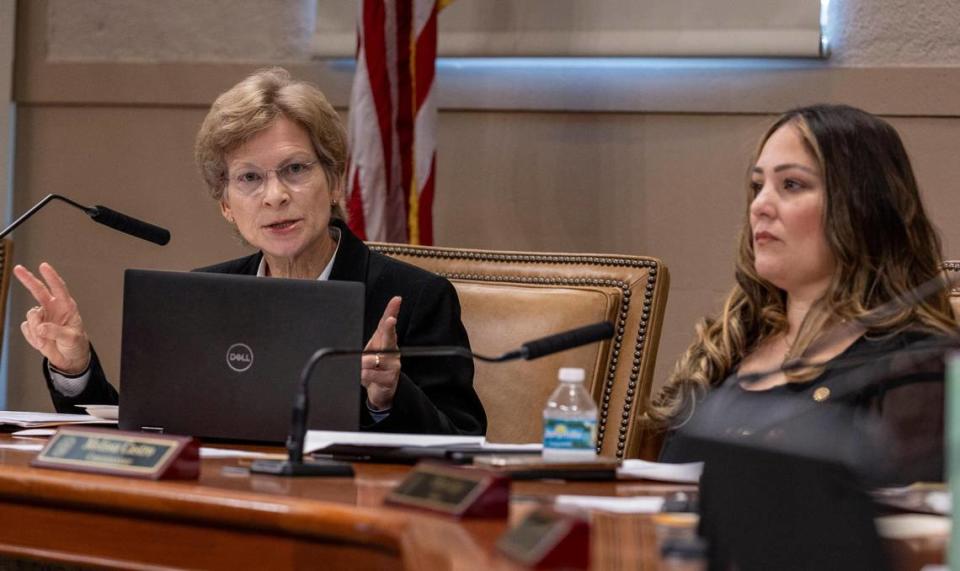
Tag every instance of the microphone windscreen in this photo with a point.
(567, 340)
(129, 225)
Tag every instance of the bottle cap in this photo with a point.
(572, 374)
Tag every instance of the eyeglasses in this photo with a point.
(295, 176)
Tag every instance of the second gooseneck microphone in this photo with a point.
(566, 340)
(295, 466)
(102, 215)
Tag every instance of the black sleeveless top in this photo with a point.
(877, 407)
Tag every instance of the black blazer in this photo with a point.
(434, 395)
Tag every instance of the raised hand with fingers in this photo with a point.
(54, 327)
(379, 374)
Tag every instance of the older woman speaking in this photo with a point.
(272, 152)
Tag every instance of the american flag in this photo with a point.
(392, 122)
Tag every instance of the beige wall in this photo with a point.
(7, 30)
(642, 161)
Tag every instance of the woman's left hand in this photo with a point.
(379, 374)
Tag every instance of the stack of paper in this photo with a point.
(320, 439)
(626, 505)
(46, 419)
(643, 470)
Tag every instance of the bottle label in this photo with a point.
(569, 434)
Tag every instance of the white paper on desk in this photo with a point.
(31, 447)
(42, 419)
(532, 447)
(631, 505)
(319, 439)
(641, 469)
(35, 432)
(228, 453)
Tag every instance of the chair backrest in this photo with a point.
(951, 267)
(511, 297)
(6, 267)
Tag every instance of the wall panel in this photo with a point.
(645, 160)
(667, 185)
(136, 160)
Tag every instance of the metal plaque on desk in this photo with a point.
(461, 492)
(119, 453)
(548, 539)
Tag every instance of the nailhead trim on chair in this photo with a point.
(952, 266)
(594, 282)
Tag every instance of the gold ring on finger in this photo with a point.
(376, 362)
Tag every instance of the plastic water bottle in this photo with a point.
(570, 420)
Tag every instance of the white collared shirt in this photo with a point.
(325, 274)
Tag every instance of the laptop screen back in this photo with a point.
(765, 509)
(220, 356)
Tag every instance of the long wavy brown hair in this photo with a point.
(878, 232)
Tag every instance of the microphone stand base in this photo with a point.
(292, 469)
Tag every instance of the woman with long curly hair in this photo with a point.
(835, 245)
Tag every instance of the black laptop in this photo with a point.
(764, 509)
(784, 483)
(219, 356)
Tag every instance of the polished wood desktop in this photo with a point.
(230, 518)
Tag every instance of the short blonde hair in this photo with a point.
(253, 105)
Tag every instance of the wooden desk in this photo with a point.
(232, 519)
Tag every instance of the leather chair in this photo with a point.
(511, 297)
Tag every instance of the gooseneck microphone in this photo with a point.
(559, 342)
(295, 466)
(129, 225)
(102, 215)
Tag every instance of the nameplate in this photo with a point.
(547, 539)
(119, 453)
(460, 492)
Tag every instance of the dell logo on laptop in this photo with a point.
(239, 357)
